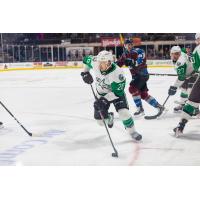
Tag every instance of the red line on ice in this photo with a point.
(136, 153)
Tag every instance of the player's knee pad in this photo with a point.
(120, 103)
(144, 95)
(124, 114)
(134, 91)
(100, 122)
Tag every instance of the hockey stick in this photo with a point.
(155, 74)
(160, 113)
(29, 133)
(166, 100)
(115, 154)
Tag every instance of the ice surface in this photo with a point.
(58, 104)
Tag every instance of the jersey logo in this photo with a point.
(178, 64)
(121, 77)
(102, 84)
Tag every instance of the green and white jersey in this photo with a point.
(109, 84)
(196, 58)
(184, 69)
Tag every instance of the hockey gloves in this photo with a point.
(129, 62)
(172, 90)
(87, 77)
(101, 104)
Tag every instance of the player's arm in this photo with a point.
(138, 61)
(121, 60)
(141, 59)
(181, 72)
(86, 76)
(118, 83)
(88, 63)
(118, 88)
(196, 59)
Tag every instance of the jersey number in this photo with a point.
(181, 71)
(121, 86)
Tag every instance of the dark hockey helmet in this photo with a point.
(128, 44)
(128, 41)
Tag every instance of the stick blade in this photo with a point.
(38, 134)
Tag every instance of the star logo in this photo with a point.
(103, 85)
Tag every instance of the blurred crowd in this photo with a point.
(24, 47)
(58, 38)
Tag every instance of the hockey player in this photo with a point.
(194, 98)
(187, 50)
(1, 124)
(135, 59)
(110, 84)
(186, 75)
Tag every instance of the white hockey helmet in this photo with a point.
(197, 36)
(105, 56)
(175, 49)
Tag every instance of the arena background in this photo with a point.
(28, 51)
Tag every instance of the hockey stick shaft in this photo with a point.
(155, 74)
(30, 134)
(166, 100)
(104, 123)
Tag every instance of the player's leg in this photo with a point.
(186, 89)
(142, 87)
(189, 108)
(151, 100)
(121, 106)
(191, 83)
(183, 96)
(135, 92)
(109, 117)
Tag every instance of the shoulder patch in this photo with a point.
(121, 77)
(178, 64)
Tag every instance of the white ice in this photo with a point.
(57, 101)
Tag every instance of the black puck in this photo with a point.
(114, 154)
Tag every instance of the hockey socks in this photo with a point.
(152, 101)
